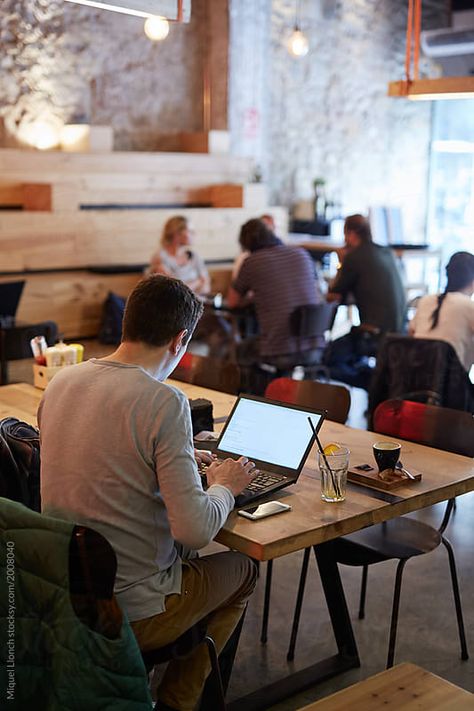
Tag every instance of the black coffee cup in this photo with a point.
(386, 454)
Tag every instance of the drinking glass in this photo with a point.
(333, 468)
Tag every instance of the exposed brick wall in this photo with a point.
(327, 114)
(69, 62)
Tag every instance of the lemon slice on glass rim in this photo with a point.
(332, 448)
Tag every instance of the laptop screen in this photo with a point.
(269, 432)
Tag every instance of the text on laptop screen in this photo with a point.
(271, 433)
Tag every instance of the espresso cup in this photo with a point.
(386, 454)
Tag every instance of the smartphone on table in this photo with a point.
(255, 513)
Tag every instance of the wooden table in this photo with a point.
(21, 400)
(405, 686)
(312, 522)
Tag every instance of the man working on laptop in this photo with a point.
(117, 455)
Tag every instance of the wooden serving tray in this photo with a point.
(372, 479)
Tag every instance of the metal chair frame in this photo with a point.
(182, 647)
(402, 538)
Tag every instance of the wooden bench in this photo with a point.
(73, 298)
(405, 686)
(65, 211)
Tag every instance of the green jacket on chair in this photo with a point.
(50, 660)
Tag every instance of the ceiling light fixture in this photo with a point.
(418, 89)
(142, 8)
(156, 28)
(298, 44)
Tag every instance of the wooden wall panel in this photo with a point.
(72, 299)
(48, 166)
(78, 239)
(55, 234)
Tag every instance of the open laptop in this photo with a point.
(10, 295)
(274, 435)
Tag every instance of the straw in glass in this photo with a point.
(333, 479)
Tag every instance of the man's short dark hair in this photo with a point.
(360, 225)
(256, 235)
(159, 308)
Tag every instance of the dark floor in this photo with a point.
(427, 626)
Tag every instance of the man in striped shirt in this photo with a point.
(281, 279)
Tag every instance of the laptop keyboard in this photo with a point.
(262, 481)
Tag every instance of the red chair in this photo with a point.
(403, 538)
(440, 427)
(209, 373)
(335, 399)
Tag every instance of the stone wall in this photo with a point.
(64, 63)
(327, 114)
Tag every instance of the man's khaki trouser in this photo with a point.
(215, 586)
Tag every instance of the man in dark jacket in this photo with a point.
(369, 273)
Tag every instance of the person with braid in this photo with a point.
(450, 316)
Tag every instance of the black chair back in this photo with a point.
(421, 369)
(15, 343)
(312, 320)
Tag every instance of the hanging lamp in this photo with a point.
(416, 89)
(298, 44)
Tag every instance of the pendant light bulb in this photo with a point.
(156, 28)
(298, 44)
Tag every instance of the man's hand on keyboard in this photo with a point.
(203, 458)
(235, 475)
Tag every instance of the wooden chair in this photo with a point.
(209, 373)
(336, 399)
(403, 538)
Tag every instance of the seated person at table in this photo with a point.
(117, 455)
(370, 274)
(281, 279)
(176, 259)
(450, 316)
(247, 322)
(270, 223)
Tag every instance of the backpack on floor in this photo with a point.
(110, 331)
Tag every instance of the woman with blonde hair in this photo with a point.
(176, 259)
